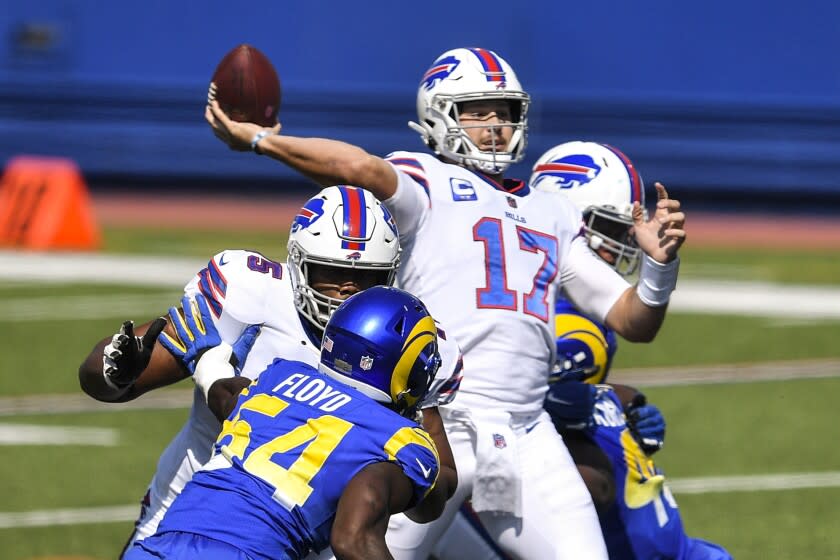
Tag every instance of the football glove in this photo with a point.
(570, 404)
(646, 424)
(197, 333)
(127, 355)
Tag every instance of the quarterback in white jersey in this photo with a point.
(490, 255)
(342, 241)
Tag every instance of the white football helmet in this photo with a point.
(462, 75)
(603, 183)
(340, 227)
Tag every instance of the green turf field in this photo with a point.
(713, 430)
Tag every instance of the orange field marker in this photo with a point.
(45, 204)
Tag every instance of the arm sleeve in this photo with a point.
(234, 284)
(591, 284)
(414, 451)
(410, 203)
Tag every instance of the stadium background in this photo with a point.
(721, 98)
(734, 106)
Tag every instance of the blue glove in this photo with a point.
(647, 424)
(570, 404)
(197, 333)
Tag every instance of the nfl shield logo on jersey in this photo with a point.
(366, 363)
(511, 202)
(499, 441)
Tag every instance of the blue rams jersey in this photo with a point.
(644, 521)
(582, 343)
(283, 458)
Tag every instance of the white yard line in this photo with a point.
(182, 396)
(704, 485)
(74, 403)
(755, 483)
(727, 373)
(34, 434)
(758, 299)
(51, 517)
(57, 308)
(95, 268)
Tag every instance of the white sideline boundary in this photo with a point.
(706, 485)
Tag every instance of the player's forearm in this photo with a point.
(330, 162)
(634, 320)
(447, 481)
(448, 476)
(433, 504)
(367, 546)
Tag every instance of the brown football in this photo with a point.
(247, 86)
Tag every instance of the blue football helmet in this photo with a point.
(383, 342)
(584, 349)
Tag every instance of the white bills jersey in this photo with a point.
(488, 260)
(244, 288)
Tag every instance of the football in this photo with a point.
(247, 86)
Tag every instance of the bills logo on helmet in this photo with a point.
(570, 171)
(389, 219)
(308, 215)
(440, 70)
(354, 256)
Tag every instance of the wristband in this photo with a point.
(257, 137)
(212, 366)
(657, 281)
